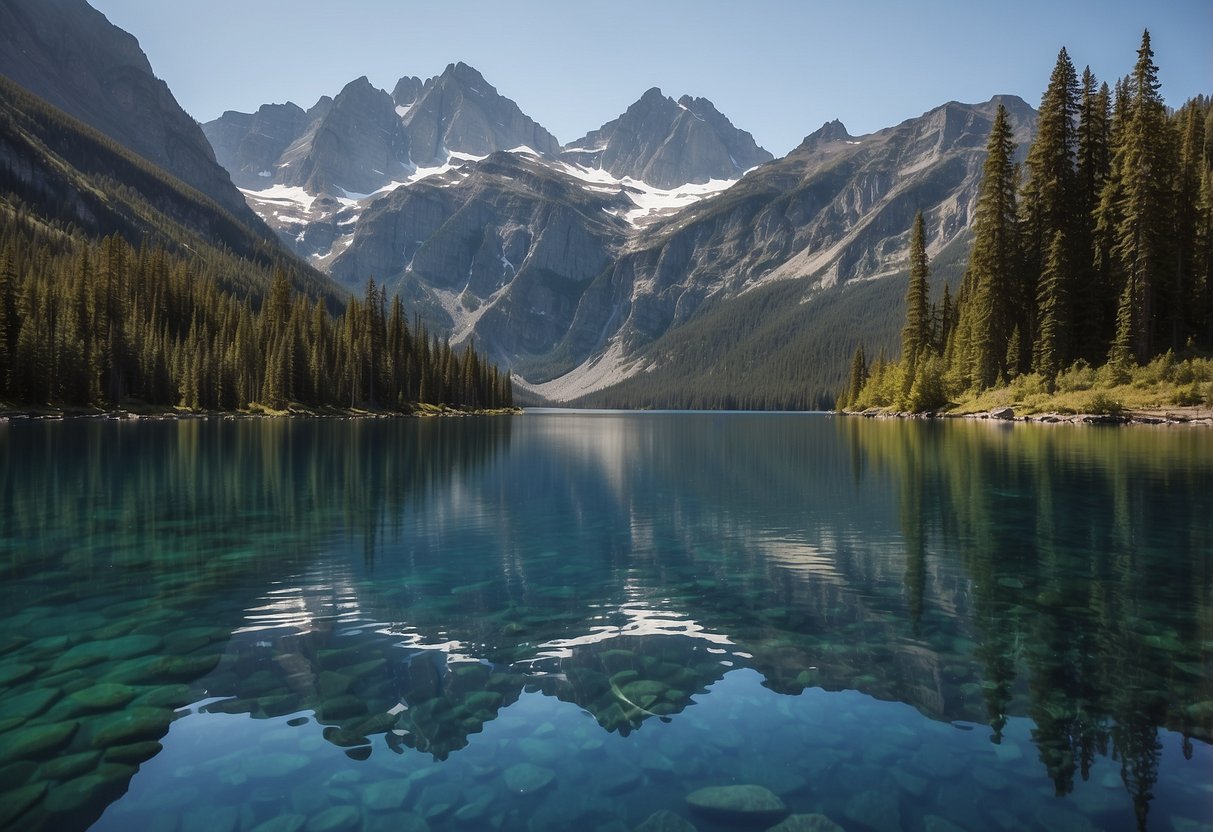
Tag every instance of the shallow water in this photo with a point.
(574, 621)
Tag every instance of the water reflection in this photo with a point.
(401, 586)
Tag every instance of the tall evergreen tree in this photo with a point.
(1050, 347)
(857, 376)
(1049, 199)
(915, 335)
(1185, 286)
(1143, 164)
(989, 315)
(1094, 306)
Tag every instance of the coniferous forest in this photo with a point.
(87, 323)
(1092, 259)
(120, 286)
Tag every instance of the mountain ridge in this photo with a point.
(69, 54)
(464, 238)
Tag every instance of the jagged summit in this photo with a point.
(669, 143)
(407, 90)
(831, 131)
(459, 111)
(357, 146)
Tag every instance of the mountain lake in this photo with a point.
(604, 621)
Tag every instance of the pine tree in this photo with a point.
(857, 376)
(1049, 349)
(1094, 305)
(9, 325)
(1185, 295)
(990, 312)
(1145, 205)
(1050, 194)
(915, 335)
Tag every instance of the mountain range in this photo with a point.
(663, 259)
(582, 265)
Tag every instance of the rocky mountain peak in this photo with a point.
(357, 146)
(669, 143)
(831, 131)
(406, 90)
(321, 108)
(459, 111)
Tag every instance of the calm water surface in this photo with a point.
(573, 621)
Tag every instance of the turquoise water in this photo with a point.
(575, 621)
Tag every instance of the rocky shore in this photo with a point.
(1176, 416)
(56, 414)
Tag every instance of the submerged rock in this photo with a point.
(664, 820)
(11, 674)
(35, 741)
(282, 823)
(27, 705)
(134, 753)
(266, 766)
(335, 819)
(15, 803)
(747, 804)
(107, 782)
(106, 696)
(806, 823)
(875, 809)
(91, 652)
(69, 765)
(528, 778)
(131, 725)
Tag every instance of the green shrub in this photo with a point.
(1103, 404)
(1112, 375)
(1080, 376)
(1032, 384)
(1189, 396)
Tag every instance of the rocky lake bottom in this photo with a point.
(604, 622)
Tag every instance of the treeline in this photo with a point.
(1098, 252)
(98, 324)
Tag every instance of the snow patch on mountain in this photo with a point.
(651, 202)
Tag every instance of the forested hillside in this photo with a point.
(121, 285)
(1098, 254)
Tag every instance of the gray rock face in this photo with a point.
(249, 145)
(460, 111)
(69, 54)
(406, 91)
(668, 143)
(834, 210)
(357, 146)
(500, 249)
(542, 271)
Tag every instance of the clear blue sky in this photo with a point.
(778, 68)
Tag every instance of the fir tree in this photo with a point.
(1049, 199)
(1145, 205)
(993, 264)
(1094, 307)
(915, 335)
(1049, 349)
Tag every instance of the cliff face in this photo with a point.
(70, 55)
(357, 145)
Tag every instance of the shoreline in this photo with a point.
(1180, 416)
(51, 414)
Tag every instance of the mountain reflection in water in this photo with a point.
(400, 585)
